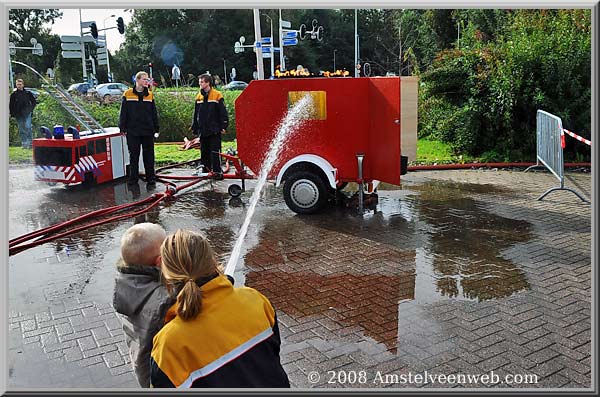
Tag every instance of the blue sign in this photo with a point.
(265, 40)
(290, 34)
(257, 44)
(267, 50)
(290, 41)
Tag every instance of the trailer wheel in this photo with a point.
(234, 190)
(305, 192)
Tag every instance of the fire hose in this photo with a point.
(57, 231)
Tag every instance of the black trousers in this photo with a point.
(134, 143)
(210, 147)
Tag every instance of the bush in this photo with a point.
(484, 97)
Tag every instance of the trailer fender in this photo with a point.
(320, 162)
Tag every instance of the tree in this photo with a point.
(25, 24)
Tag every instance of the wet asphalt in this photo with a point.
(435, 240)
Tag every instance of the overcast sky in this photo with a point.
(69, 23)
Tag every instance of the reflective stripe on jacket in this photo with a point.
(210, 114)
(138, 115)
(233, 342)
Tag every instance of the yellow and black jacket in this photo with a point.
(233, 343)
(138, 113)
(210, 113)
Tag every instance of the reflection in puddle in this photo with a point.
(436, 244)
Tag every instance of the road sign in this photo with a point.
(257, 44)
(285, 24)
(265, 40)
(71, 54)
(101, 55)
(267, 50)
(70, 46)
(290, 42)
(101, 43)
(102, 62)
(76, 39)
(86, 24)
(289, 34)
(266, 54)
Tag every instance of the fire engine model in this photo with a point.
(74, 157)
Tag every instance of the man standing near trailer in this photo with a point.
(210, 121)
(21, 107)
(139, 120)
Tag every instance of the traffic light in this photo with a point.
(94, 29)
(120, 25)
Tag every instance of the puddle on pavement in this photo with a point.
(422, 245)
(428, 242)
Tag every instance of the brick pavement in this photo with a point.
(461, 272)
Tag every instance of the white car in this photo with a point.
(109, 90)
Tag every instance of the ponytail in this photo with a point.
(186, 259)
(189, 300)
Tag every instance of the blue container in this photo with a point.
(59, 132)
(45, 131)
(73, 131)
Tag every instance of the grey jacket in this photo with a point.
(141, 302)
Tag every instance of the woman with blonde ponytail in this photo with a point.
(215, 335)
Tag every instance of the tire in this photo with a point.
(305, 192)
(234, 190)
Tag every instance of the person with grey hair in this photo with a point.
(140, 299)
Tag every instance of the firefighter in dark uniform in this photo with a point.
(210, 121)
(139, 120)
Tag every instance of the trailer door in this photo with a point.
(382, 161)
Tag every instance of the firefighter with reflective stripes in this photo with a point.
(139, 120)
(210, 121)
(215, 335)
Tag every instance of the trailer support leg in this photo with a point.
(361, 187)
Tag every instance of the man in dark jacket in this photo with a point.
(210, 121)
(139, 120)
(21, 107)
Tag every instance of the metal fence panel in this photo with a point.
(549, 150)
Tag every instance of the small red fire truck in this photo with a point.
(77, 157)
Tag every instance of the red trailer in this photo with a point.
(355, 120)
(93, 157)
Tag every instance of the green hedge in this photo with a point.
(175, 111)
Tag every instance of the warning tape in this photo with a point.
(574, 135)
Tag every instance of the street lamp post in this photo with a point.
(334, 69)
(271, 48)
(110, 79)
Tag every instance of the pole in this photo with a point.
(400, 52)
(334, 69)
(225, 70)
(10, 72)
(272, 51)
(110, 79)
(260, 68)
(356, 73)
(82, 48)
(281, 58)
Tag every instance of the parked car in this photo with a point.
(79, 88)
(34, 91)
(108, 90)
(235, 85)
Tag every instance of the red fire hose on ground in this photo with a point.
(57, 231)
(60, 230)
